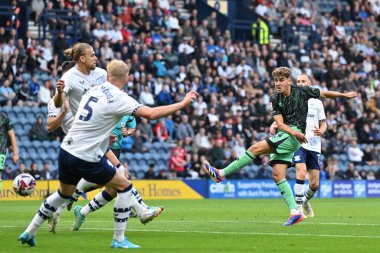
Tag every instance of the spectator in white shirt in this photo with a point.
(146, 97)
(355, 154)
(44, 94)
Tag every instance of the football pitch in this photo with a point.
(252, 225)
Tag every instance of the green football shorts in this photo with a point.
(2, 162)
(283, 145)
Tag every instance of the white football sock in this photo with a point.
(46, 210)
(299, 192)
(138, 197)
(101, 199)
(122, 209)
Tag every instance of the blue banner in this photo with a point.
(360, 189)
(325, 189)
(343, 189)
(244, 189)
(373, 188)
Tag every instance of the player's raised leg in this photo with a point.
(257, 149)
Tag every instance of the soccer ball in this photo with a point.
(24, 184)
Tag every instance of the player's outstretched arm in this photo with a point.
(59, 97)
(162, 111)
(53, 123)
(12, 138)
(334, 94)
(285, 128)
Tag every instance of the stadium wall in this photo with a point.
(199, 189)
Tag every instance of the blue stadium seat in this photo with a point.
(26, 109)
(46, 144)
(6, 109)
(36, 143)
(56, 144)
(140, 174)
(149, 145)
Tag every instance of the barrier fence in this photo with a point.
(199, 189)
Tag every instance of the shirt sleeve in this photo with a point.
(52, 110)
(126, 105)
(275, 106)
(131, 122)
(8, 124)
(68, 83)
(321, 111)
(311, 92)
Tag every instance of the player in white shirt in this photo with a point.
(87, 141)
(78, 80)
(306, 158)
(63, 117)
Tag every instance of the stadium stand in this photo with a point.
(173, 46)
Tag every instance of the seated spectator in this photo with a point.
(138, 142)
(46, 174)
(24, 96)
(355, 154)
(351, 173)
(34, 171)
(160, 131)
(44, 94)
(216, 154)
(150, 174)
(162, 174)
(368, 157)
(177, 164)
(21, 169)
(146, 97)
(38, 131)
(164, 97)
(371, 175)
(170, 126)
(184, 129)
(146, 130)
(6, 173)
(264, 172)
(7, 95)
(201, 141)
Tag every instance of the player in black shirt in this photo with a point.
(290, 106)
(6, 129)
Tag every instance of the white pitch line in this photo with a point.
(230, 233)
(238, 221)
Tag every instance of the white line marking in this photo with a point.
(236, 221)
(230, 233)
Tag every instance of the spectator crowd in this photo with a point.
(169, 55)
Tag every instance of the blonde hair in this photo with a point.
(117, 69)
(282, 72)
(77, 51)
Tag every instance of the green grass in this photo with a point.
(340, 225)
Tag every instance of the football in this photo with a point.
(24, 185)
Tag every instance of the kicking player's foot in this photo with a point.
(24, 238)
(79, 218)
(149, 215)
(307, 210)
(294, 219)
(125, 244)
(213, 172)
(52, 223)
(157, 207)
